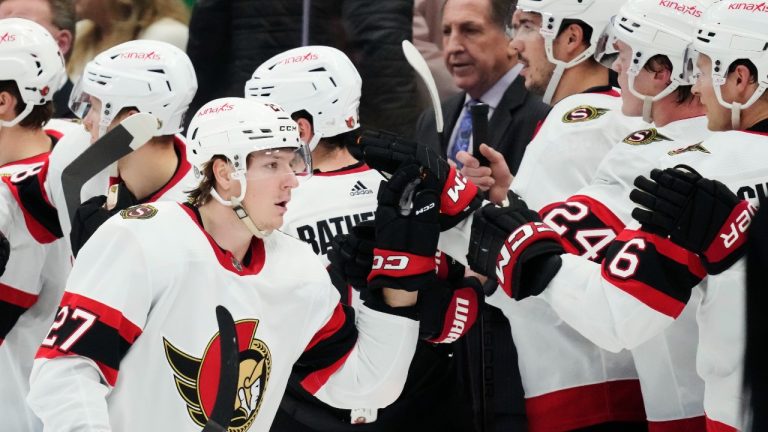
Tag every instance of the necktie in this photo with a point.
(464, 134)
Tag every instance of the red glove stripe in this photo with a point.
(399, 264)
(514, 245)
(458, 192)
(733, 233)
(459, 317)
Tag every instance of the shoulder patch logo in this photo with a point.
(691, 148)
(141, 211)
(583, 113)
(645, 136)
(196, 379)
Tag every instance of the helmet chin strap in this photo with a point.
(236, 203)
(736, 116)
(22, 115)
(554, 81)
(314, 141)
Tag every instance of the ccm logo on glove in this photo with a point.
(516, 241)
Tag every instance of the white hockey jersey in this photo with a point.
(331, 203)
(576, 384)
(136, 332)
(589, 221)
(638, 304)
(31, 288)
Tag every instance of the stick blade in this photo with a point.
(229, 373)
(417, 62)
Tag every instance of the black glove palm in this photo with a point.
(91, 214)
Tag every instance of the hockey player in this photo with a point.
(30, 68)
(136, 76)
(638, 300)
(322, 93)
(656, 87)
(150, 317)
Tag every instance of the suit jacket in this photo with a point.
(510, 128)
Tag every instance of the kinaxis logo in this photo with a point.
(140, 56)
(7, 37)
(751, 7)
(685, 9)
(213, 110)
(300, 58)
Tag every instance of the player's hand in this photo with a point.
(91, 214)
(696, 213)
(5, 252)
(514, 246)
(407, 231)
(447, 310)
(351, 255)
(386, 152)
(495, 179)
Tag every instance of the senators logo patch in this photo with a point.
(583, 113)
(141, 211)
(691, 148)
(197, 379)
(645, 136)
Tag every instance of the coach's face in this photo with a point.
(475, 49)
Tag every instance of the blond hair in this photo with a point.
(128, 18)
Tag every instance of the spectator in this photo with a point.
(58, 17)
(428, 39)
(230, 38)
(106, 23)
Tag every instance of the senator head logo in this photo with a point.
(583, 113)
(645, 136)
(197, 379)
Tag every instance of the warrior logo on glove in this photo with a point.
(197, 378)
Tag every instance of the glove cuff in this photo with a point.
(728, 245)
(526, 243)
(396, 264)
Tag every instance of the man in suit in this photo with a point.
(485, 67)
(478, 56)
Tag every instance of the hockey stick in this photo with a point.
(129, 135)
(421, 67)
(229, 373)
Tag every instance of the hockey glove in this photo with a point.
(5, 252)
(447, 310)
(407, 230)
(386, 152)
(91, 215)
(351, 255)
(698, 214)
(514, 246)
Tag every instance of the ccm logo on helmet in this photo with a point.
(7, 37)
(300, 58)
(218, 109)
(394, 262)
(140, 56)
(287, 128)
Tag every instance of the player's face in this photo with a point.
(529, 44)
(631, 105)
(92, 119)
(270, 179)
(475, 50)
(718, 117)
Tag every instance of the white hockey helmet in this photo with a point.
(152, 76)
(319, 79)
(595, 13)
(30, 56)
(730, 31)
(235, 128)
(652, 28)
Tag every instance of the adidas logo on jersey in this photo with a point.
(359, 189)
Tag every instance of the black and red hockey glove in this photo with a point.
(448, 309)
(696, 213)
(384, 151)
(92, 214)
(351, 255)
(5, 252)
(512, 245)
(407, 230)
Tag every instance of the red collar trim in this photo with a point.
(42, 157)
(351, 169)
(225, 257)
(181, 170)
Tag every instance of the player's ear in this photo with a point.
(7, 105)
(222, 173)
(305, 129)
